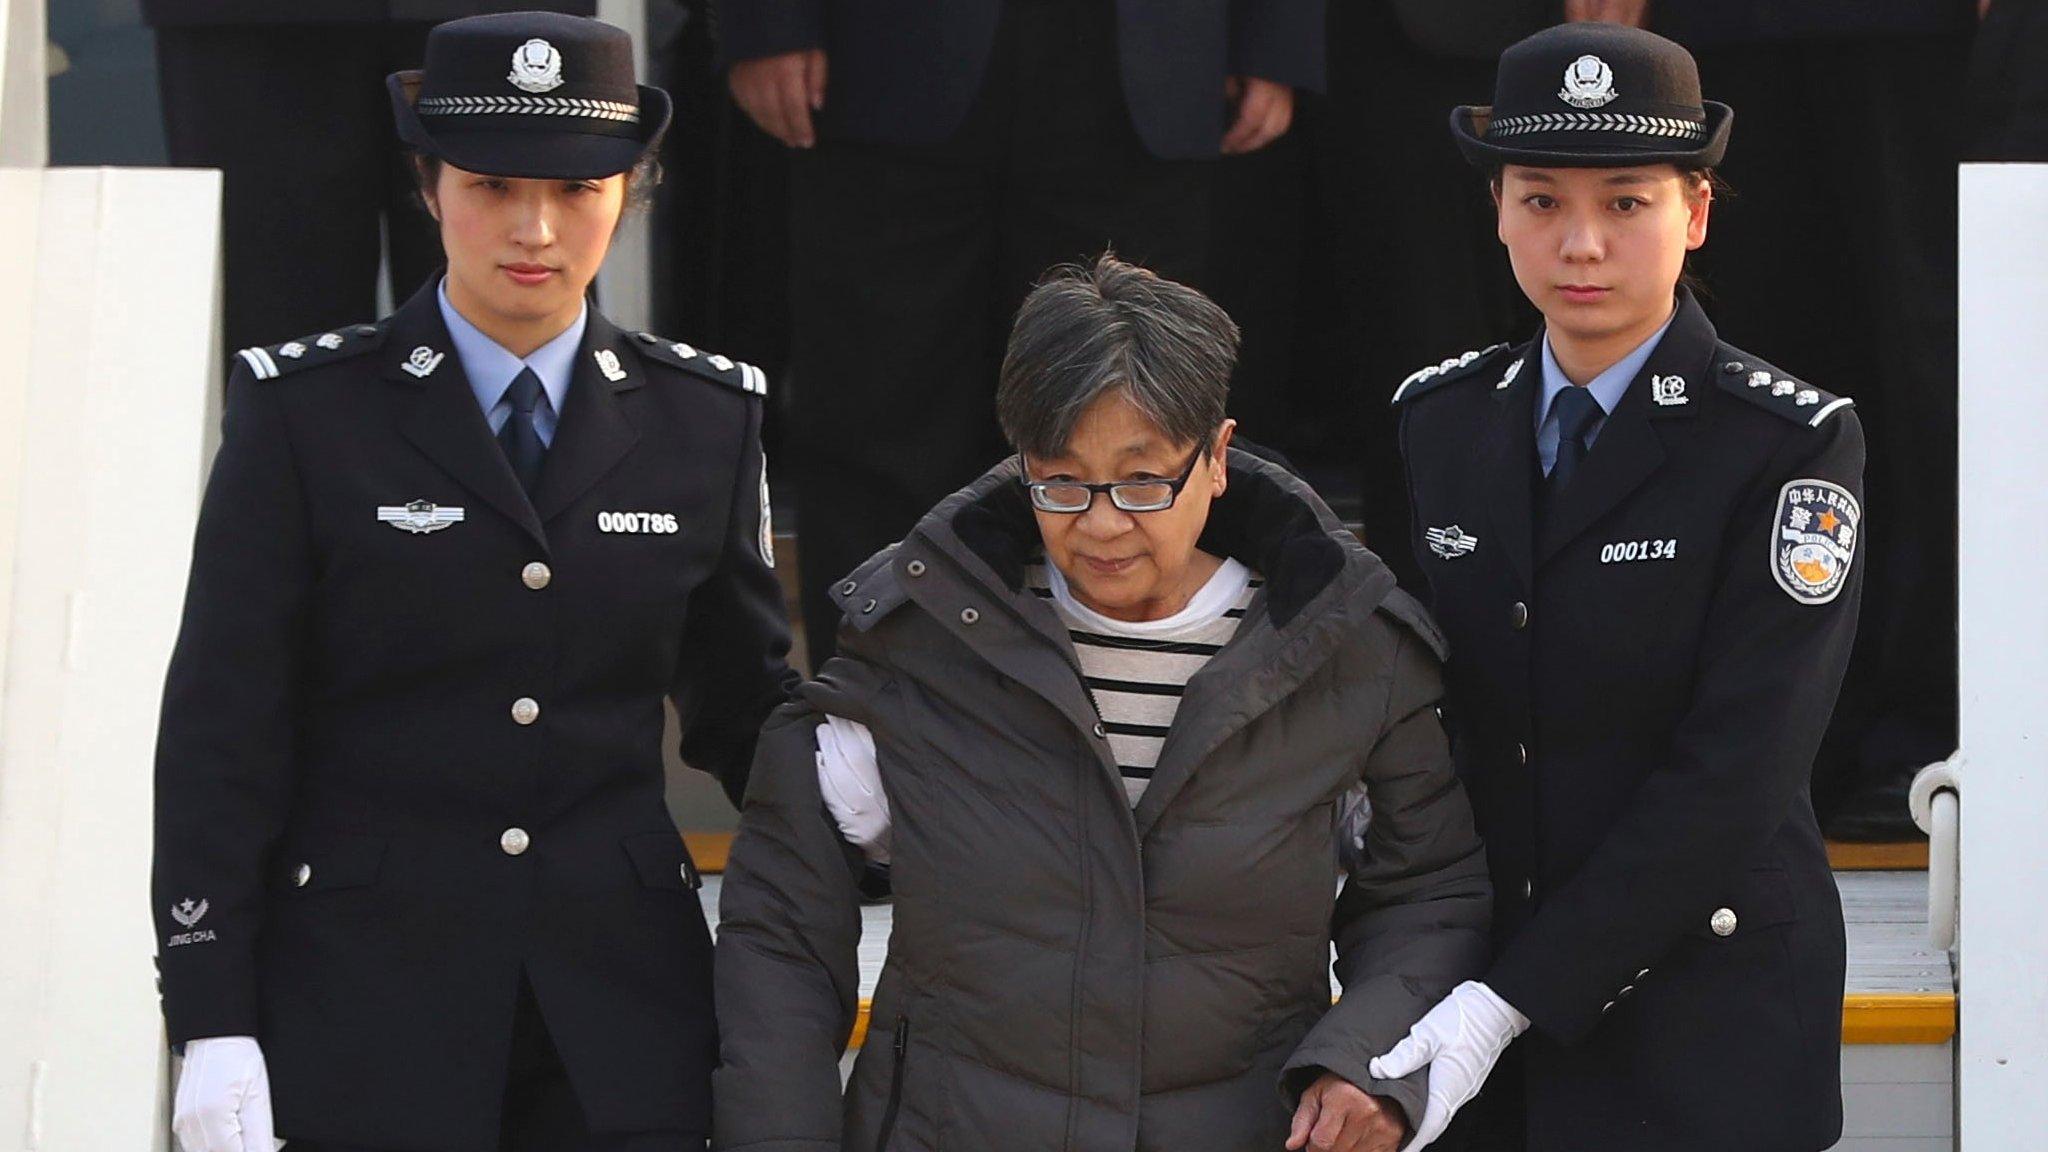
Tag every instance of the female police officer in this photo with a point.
(1641, 543)
(414, 875)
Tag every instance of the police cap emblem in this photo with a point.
(1813, 539)
(536, 67)
(1588, 83)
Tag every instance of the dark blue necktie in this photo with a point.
(519, 438)
(1577, 411)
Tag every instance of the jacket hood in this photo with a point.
(1268, 519)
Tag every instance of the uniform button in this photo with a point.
(915, 568)
(366, 329)
(1101, 733)
(303, 876)
(1521, 753)
(868, 607)
(1733, 367)
(1607, 1007)
(649, 338)
(969, 615)
(1528, 889)
(525, 710)
(536, 575)
(1518, 616)
(1627, 991)
(1640, 975)
(1722, 922)
(515, 841)
(685, 870)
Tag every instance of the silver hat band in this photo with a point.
(528, 106)
(1666, 127)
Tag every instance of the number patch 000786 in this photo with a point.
(652, 523)
(1623, 552)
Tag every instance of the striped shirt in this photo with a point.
(1137, 671)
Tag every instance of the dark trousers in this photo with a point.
(541, 1112)
(908, 265)
(297, 120)
(1836, 258)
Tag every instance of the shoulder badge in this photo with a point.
(1770, 389)
(269, 363)
(709, 365)
(1813, 539)
(1430, 377)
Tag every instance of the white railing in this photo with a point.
(1936, 801)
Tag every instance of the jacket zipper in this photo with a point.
(902, 1047)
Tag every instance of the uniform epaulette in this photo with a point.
(1770, 389)
(1435, 375)
(269, 363)
(710, 365)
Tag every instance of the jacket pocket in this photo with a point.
(326, 862)
(662, 861)
(900, 1060)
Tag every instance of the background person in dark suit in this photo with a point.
(1642, 544)
(414, 876)
(1838, 253)
(948, 154)
(286, 98)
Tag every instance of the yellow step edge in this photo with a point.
(710, 849)
(1867, 1018)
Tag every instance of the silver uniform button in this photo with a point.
(515, 841)
(525, 710)
(1528, 889)
(1722, 922)
(536, 575)
(303, 876)
(915, 568)
(1101, 733)
(969, 615)
(1521, 753)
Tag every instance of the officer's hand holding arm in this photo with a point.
(1336, 1115)
(1459, 1041)
(1411, 921)
(733, 672)
(780, 93)
(1265, 110)
(223, 1098)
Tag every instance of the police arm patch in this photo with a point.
(1813, 539)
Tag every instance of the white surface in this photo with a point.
(2003, 1065)
(24, 85)
(112, 378)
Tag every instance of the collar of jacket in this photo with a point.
(1268, 519)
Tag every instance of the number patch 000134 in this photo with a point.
(649, 523)
(1623, 552)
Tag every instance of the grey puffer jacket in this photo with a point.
(1065, 972)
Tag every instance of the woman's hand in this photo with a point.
(1335, 1115)
(1265, 110)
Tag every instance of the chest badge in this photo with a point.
(1668, 391)
(1451, 543)
(423, 361)
(419, 517)
(1813, 542)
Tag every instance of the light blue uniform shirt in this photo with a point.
(491, 369)
(1607, 388)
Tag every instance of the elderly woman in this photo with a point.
(1099, 712)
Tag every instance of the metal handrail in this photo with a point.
(1936, 804)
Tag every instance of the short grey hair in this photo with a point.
(1084, 333)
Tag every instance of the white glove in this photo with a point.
(1460, 1040)
(850, 779)
(223, 1099)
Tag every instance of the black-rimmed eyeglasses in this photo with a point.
(1072, 497)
